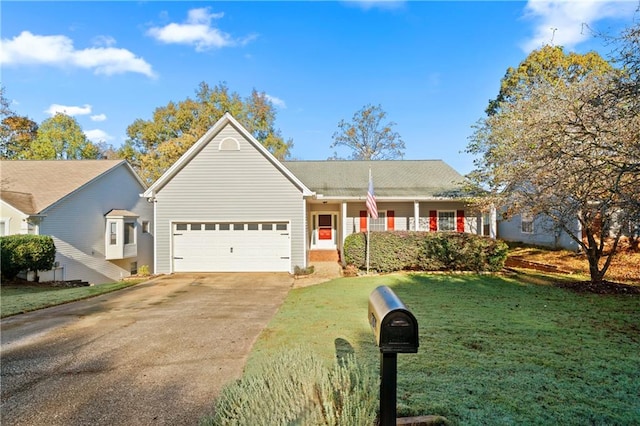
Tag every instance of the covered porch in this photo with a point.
(331, 221)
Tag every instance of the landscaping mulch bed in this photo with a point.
(603, 287)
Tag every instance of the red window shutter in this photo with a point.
(363, 221)
(391, 220)
(460, 220)
(433, 220)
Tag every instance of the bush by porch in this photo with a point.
(425, 251)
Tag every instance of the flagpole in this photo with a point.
(372, 209)
(368, 237)
(369, 223)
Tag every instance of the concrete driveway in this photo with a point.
(156, 353)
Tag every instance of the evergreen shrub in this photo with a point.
(26, 253)
(426, 251)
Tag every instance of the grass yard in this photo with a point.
(24, 297)
(494, 350)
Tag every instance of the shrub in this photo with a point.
(297, 270)
(297, 388)
(143, 271)
(426, 251)
(26, 253)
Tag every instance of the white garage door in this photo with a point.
(231, 247)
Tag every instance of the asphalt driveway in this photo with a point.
(156, 353)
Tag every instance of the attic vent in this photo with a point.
(229, 144)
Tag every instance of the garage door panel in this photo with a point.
(233, 247)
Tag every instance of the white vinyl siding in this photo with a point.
(234, 186)
(77, 225)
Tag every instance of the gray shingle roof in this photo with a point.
(33, 185)
(392, 178)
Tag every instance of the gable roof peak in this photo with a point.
(218, 126)
(32, 186)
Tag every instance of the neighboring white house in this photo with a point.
(92, 209)
(229, 205)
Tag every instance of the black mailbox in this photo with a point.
(394, 326)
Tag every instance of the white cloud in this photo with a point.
(68, 110)
(562, 22)
(376, 4)
(58, 50)
(105, 41)
(98, 117)
(97, 136)
(197, 31)
(276, 101)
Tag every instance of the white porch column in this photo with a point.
(416, 215)
(343, 228)
(493, 226)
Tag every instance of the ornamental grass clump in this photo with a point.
(298, 388)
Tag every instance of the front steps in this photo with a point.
(324, 256)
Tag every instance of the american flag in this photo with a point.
(372, 207)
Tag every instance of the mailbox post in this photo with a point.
(396, 331)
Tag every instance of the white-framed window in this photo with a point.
(446, 220)
(120, 235)
(129, 233)
(32, 228)
(526, 223)
(486, 223)
(113, 233)
(379, 224)
(145, 227)
(4, 227)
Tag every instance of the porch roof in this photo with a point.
(391, 178)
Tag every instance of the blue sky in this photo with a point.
(431, 65)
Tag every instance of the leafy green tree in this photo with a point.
(549, 64)
(154, 145)
(61, 138)
(26, 253)
(368, 137)
(16, 132)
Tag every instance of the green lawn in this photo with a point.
(16, 299)
(494, 350)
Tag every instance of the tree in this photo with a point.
(548, 64)
(154, 145)
(627, 55)
(61, 138)
(16, 132)
(569, 152)
(368, 137)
